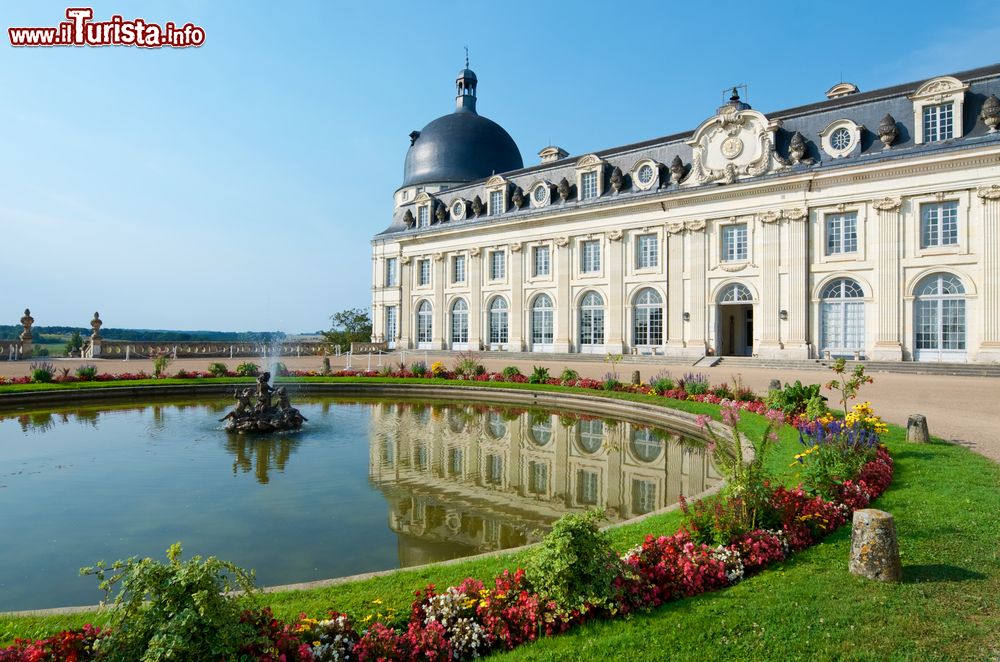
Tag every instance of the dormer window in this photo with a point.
(588, 185)
(458, 210)
(589, 177)
(840, 138)
(645, 174)
(496, 203)
(939, 122)
(938, 107)
(423, 217)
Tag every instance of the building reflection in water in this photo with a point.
(463, 479)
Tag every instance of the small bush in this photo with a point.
(569, 375)
(74, 345)
(662, 382)
(575, 565)
(510, 371)
(86, 373)
(247, 370)
(418, 368)
(793, 398)
(610, 381)
(42, 373)
(694, 383)
(218, 369)
(160, 363)
(280, 369)
(467, 365)
(539, 375)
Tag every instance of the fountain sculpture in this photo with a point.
(261, 415)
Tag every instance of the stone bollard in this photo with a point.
(916, 429)
(775, 385)
(636, 379)
(874, 549)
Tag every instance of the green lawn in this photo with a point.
(946, 501)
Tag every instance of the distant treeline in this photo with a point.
(10, 331)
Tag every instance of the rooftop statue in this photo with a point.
(262, 415)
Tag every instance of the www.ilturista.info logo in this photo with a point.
(80, 30)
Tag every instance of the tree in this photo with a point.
(351, 325)
(74, 344)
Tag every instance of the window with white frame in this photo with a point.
(458, 269)
(542, 320)
(842, 318)
(590, 435)
(939, 224)
(423, 272)
(588, 185)
(643, 496)
(495, 425)
(647, 323)
(498, 322)
(647, 252)
(391, 325)
(423, 216)
(590, 256)
(841, 233)
(424, 322)
(496, 203)
(456, 461)
(498, 265)
(391, 272)
(734, 243)
(586, 486)
(939, 122)
(592, 319)
(460, 321)
(540, 261)
(494, 469)
(646, 444)
(939, 315)
(538, 477)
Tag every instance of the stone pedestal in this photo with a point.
(874, 548)
(916, 429)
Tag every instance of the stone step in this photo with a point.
(901, 367)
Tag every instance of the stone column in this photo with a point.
(613, 343)
(770, 295)
(888, 297)
(475, 298)
(439, 333)
(564, 301)
(697, 306)
(516, 320)
(674, 255)
(27, 341)
(989, 349)
(797, 343)
(404, 316)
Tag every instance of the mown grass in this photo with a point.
(946, 501)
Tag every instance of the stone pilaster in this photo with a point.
(767, 319)
(475, 298)
(564, 301)
(989, 349)
(889, 247)
(697, 307)
(404, 316)
(613, 341)
(439, 333)
(515, 325)
(674, 255)
(797, 343)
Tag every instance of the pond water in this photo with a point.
(365, 485)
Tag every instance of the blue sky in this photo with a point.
(236, 186)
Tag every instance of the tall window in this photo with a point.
(643, 496)
(458, 269)
(391, 325)
(588, 185)
(939, 314)
(391, 272)
(456, 461)
(592, 320)
(939, 122)
(498, 321)
(494, 469)
(498, 265)
(540, 261)
(647, 252)
(424, 272)
(541, 320)
(647, 325)
(586, 486)
(734, 243)
(423, 216)
(460, 321)
(424, 322)
(939, 224)
(841, 233)
(538, 477)
(842, 317)
(590, 256)
(496, 203)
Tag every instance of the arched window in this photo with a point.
(590, 435)
(425, 322)
(735, 293)
(939, 318)
(541, 321)
(541, 429)
(498, 321)
(647, 318)
(591, 321)
(646, 445)
(842, 318)
(459, 321)
(495, 425)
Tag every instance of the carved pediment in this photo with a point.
(423, 198)
(589, 160)
(496, 181)
(731, 145)
(941, 86)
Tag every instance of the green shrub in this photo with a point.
(793, 398)
(218, 369)
(816, 407)
(247, 370)
(42, 373)
(662, 382)
(575, 565)
(696, 388)
(86, 372)
(75, 344)
(418, 368)
(160, 363)
(173, 611)
(467, 365)
(569, 375)
(723, 391)
(539, 375)
(510, 371)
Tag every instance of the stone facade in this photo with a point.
(865, 225)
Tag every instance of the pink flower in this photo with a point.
(702, 420)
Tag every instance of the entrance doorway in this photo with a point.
(736, 330)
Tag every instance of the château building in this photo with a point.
(866, 224)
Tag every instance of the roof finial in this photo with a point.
(466, 57)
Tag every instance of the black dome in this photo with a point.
(461, 147)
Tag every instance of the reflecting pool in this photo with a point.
(367, 485)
